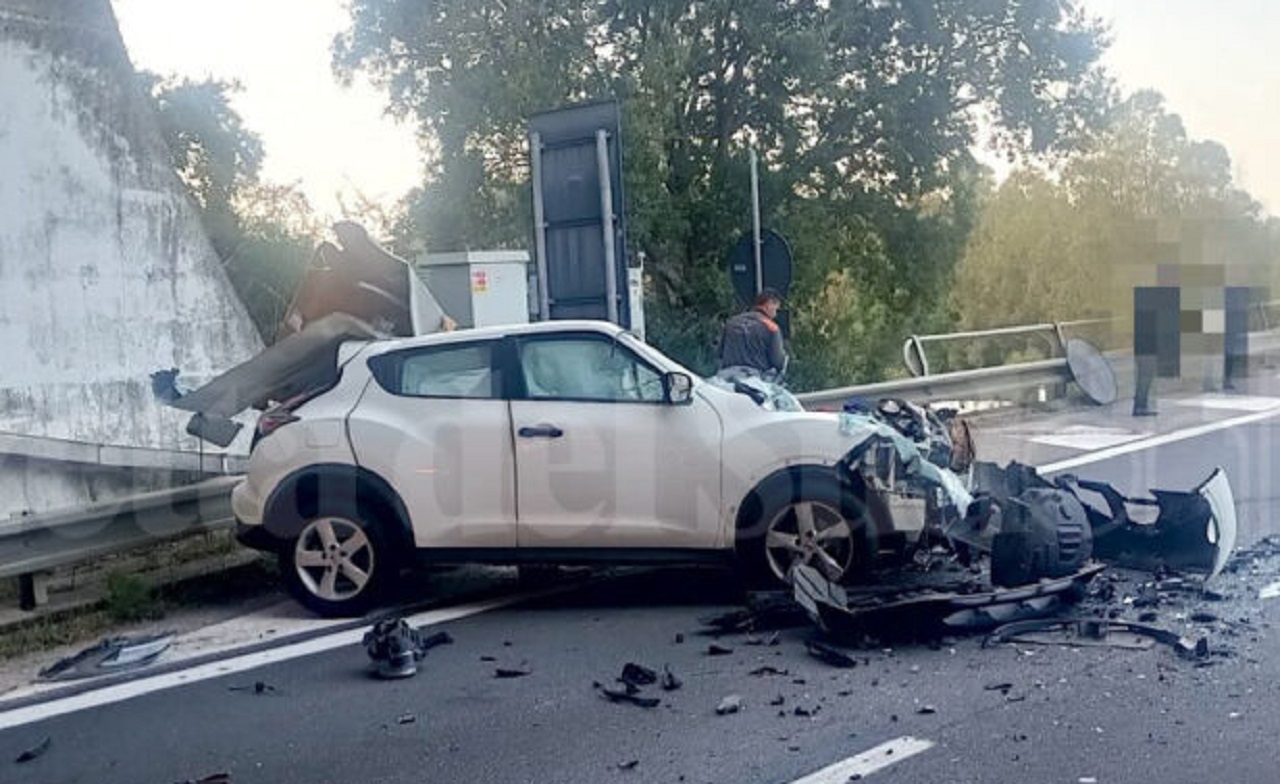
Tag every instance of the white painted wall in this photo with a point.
(105, 273)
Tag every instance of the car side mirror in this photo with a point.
(678, 388)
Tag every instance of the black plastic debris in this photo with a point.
(718, 650)
(833, 656)
(629, 695)
(112, 654)
(764, 611)
(257, 687)
(1185, 647)
(35, 752)
(629, 764)
(212, 778)
(728, 705)
(669, 680)
(918, 608)
(926, 710)
(396, 647)
(512, 672)
(768, 669)
(637, 675)
(408, 718)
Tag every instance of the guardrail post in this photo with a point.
(33, 590)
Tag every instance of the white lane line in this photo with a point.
(1231, 402)
(1157, 441)
(1088, 441)
(869, 761)
(18, 717)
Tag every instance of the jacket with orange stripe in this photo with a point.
(752, 339)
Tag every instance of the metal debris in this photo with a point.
(35, 752)
(112, 654)
(395, 647)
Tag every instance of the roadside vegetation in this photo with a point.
(878, 125)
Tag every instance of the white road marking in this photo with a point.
(869, 761)
(1087, 438)
(18, 717)
(1157, 441)
(1271, 591)
(1231, 402)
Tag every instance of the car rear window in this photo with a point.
(464, 371)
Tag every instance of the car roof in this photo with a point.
(492, 333)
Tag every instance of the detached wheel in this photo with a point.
(809, 518)
(339, 564)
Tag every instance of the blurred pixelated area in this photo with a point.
(1194, 287)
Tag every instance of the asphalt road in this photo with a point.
(1068, 714)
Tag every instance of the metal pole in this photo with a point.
(606, 224)
(539, 228)
(755, 219)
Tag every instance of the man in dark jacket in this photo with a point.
(754, 340)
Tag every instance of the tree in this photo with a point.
(863, 113)
(263, 233)
(1072, 243)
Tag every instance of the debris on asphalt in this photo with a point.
(1075, 632)
(212, 778)
(768, 669)
(257, 687)
(113, 654)
(35, 752)
(764, 611)
(637, 675)
(512, 672)
(395, 647)
(718, 650)
(926, 710)
(669, 680)
(833, 656)
(629, 694)
(730, 704)
(408, 718)
(779, 700)
(629, 764)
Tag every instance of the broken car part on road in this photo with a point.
(113, 654)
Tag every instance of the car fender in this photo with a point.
(295, 496)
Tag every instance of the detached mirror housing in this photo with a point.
(678, 388)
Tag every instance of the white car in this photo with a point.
(556, 442)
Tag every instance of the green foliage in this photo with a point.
(1073, 243)
(864, 115)
(263, 233)
(131, 598)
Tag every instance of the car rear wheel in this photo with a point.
(338, 565)
(808, 518)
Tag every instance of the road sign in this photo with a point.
(775, 265)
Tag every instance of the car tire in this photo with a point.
(810, 514)
(341, 563)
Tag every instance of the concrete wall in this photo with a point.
(105, 272)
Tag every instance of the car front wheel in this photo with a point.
(338, 565)
(807, 518)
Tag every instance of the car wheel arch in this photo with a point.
(298, 495)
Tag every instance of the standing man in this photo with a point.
(753, 340)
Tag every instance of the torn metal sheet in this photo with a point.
(367, 282)
(913, 612)
(110, 655)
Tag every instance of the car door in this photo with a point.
(602, 460)
(437, 426)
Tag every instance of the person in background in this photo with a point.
(752, 340)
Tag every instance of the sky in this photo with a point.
(1210, 58)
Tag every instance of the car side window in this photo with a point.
(462, 371)
(587, 368)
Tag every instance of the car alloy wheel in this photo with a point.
(333, 559)
(813, 533)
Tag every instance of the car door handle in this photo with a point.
(541, 431)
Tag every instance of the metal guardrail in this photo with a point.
(35, 544)
(32, 545)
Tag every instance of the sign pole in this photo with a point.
(755, 219)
